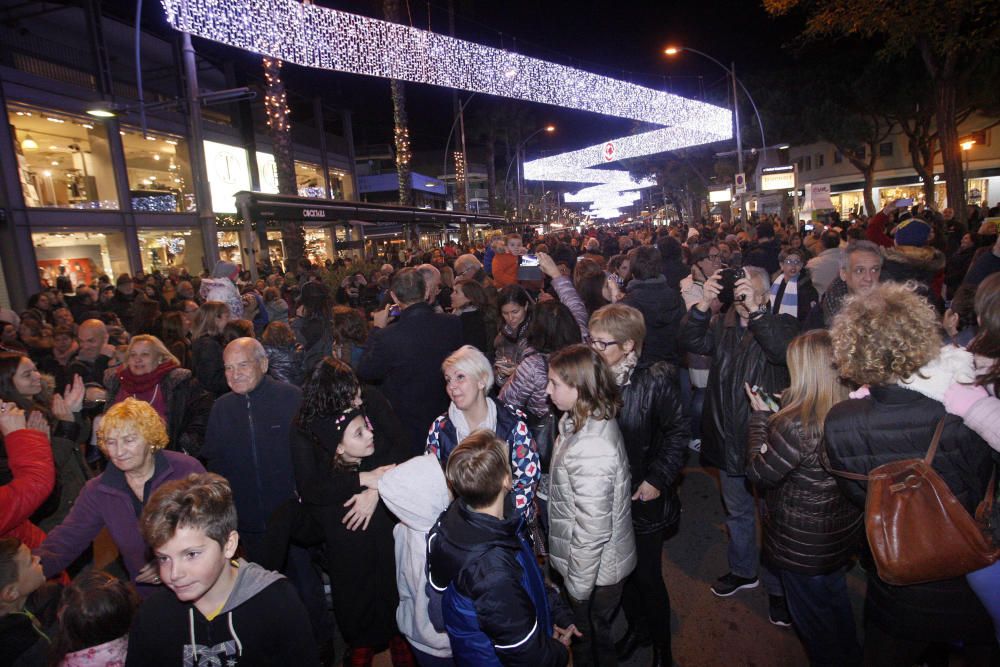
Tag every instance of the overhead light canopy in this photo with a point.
(29, 144)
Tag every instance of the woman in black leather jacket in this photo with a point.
(811, 530)
(888, 340)
(656, 437)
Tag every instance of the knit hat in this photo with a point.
(338, 423)
(912, 232)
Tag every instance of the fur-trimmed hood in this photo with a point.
(912, 259)
(954, 364)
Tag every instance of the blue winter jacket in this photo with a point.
(495, 607)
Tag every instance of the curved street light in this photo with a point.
(731, 71)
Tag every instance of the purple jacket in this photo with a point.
(525, 388)
(106, 501)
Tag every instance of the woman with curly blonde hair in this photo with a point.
(890, 340)
(133, 437)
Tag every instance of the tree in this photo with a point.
(401, 125)
(280, 131)
(952, 37)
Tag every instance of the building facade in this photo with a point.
(82, 196)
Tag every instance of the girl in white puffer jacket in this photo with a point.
(591, 540)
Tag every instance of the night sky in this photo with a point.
(620, 39)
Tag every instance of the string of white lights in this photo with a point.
(325, 38)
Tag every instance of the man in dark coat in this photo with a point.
(121, 302)
(672, 263)
(406, 356)
(747, 345)
(765, 253)
(661, 305)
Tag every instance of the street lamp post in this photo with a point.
(519, 158)
(731, 71)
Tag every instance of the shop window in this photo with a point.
(340, 185)
(309, 180)
(885, 149)
(165, 249)
(83, 256)
(63, 161)
(159, 172)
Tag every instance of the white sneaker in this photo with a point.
(695, 445)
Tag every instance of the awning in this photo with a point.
(259, 206)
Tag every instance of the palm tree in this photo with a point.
(280, 131)
(401, 130)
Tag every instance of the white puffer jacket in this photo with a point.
(591, 542)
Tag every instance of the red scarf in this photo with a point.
(140, 384)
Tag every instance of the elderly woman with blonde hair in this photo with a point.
(890, 339)
(153, 375)
(133, 437)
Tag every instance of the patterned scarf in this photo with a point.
(789, 304)
(623, 369)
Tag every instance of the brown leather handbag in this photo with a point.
(917, 530)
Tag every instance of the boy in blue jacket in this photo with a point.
(495, 605)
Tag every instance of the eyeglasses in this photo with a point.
(793, 262)
(714, 257)
(462, 273)
(601, 345)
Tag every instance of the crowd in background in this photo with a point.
(407, 442)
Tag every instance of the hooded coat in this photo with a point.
(262, 623)
(417, 493)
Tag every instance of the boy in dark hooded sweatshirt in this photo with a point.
(217, 611)
(495, 606)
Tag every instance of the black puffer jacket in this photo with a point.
(662, 310)
(894, 424)
(755, 355)
(188, 407)
(810, 526)
(656, 438)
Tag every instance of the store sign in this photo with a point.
(228, 173)
(313, 213)
(719, 196)
(777, 178)
(818, 197)
(267, 170)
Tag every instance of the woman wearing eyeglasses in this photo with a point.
(792, 291)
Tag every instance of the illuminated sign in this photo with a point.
(228, 173)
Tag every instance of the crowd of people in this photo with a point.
(471, 455)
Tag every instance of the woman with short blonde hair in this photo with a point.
(153, 375)
(133, 437)
(468, 377)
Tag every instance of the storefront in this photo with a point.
(159, 172)
(63, 161)
(166, 249)
(80, 255)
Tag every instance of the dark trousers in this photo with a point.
(821, 613)
(593, 619)
(884, 650)
(645, 600)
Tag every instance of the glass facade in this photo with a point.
(159, 172)
(164, 249)
(83, 256)
(63, 161)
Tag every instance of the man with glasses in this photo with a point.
(792, 292)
